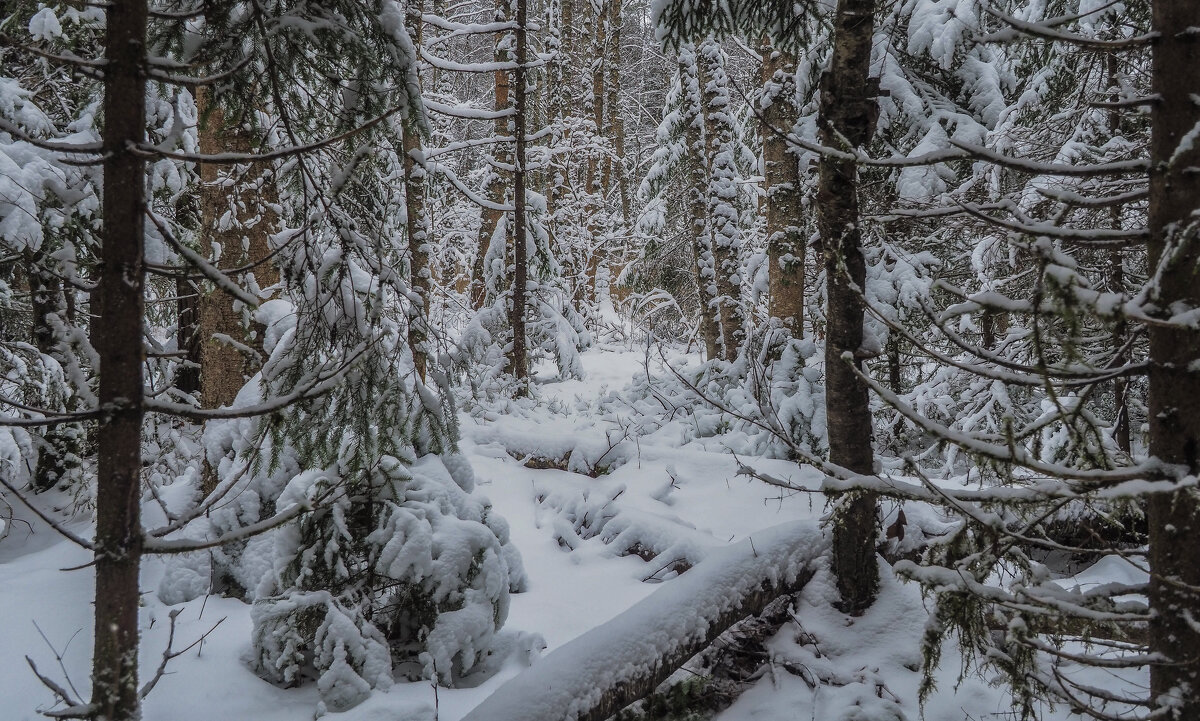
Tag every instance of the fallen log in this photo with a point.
(613, 665)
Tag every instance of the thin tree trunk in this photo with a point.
(781, 173)
(187, 336)
(616, 119)
(596, 181)
(702, 265)
(518, 362)
(415, 193)
(58, 452)
(118, 342)
(1116, 279)
(1174, 398)
(556, 26)
(846, 119)
(497, 181)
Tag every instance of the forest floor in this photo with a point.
(658, 493)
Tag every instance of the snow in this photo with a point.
(610, 561)
(567, 683)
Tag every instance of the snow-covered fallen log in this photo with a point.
(613, 665)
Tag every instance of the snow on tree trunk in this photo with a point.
(497, 181)
(689, 78)
(416, 216)
(235, 223)
(725, 237)
(619, 662)
(783, 199)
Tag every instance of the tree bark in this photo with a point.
(846, 119)
(1116, 278)
(59, 446)
(615, 125)
(118, 342)
(557, 73)
(595, 183)
(784, 203)
(415, 196)
(702, 266)
(187, 336)
(517, 357)
(1174, 398)
(721, 196)
(497, 180)
(238, 221)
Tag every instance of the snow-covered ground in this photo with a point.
(585, 542)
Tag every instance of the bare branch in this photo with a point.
(48, 521)
(169, 652)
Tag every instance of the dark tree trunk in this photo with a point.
(1116, 278)
(847, 117)
(118, 342)
(59, 446)
(517, 360)
(187, 337)
(1174, 402)
(781, 171)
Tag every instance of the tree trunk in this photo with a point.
(1174, 398)
(187, 336)
(497, 179)
(59, 446)
(1116, 278)
(118, 341)
(702, 266)
(237, 221)
(847, 119)
(517, 360)
(415, 192)
(557, 72)
(615, 125)
(781, 173)
(721, 196)
(596, 181)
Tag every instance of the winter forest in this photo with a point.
(586, 360)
